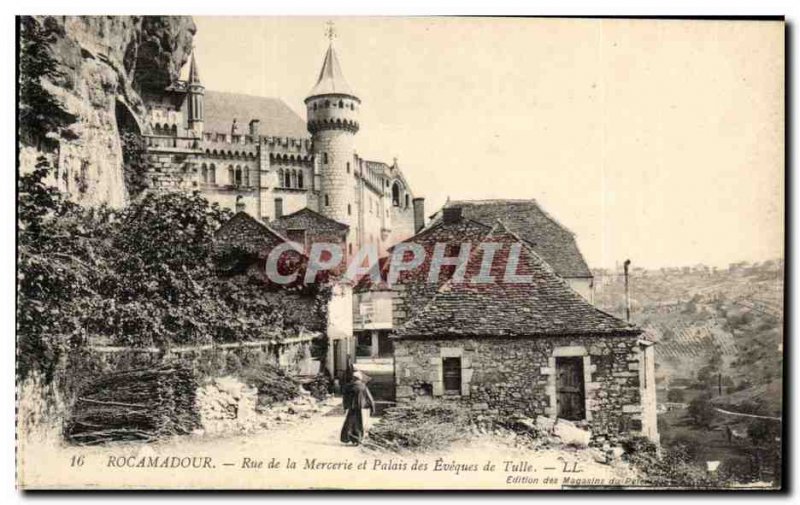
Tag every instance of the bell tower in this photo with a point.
(333, 109)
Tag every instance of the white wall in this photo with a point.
(584, 287)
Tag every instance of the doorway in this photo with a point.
(571, 401)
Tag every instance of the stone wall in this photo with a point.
(516, 377)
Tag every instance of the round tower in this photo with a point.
(333, 122)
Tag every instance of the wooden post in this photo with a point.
(627, 292)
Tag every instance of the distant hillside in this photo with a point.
(698, 314)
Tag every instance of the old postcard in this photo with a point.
(400, 253)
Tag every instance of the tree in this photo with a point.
(58, 252)
(701, 411)
(675, 395)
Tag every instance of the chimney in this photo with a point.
(419, 214)
(254, 128)
(451, 215)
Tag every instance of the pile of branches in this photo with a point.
(422, 426)
(134, 405)
(273, 384)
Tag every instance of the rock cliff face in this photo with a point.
(105, 65)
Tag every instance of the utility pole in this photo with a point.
(625, 266)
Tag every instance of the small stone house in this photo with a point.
(527, 348)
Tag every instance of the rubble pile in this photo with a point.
(226, 403)
(300, 407)
(229, 405)
(134, 405)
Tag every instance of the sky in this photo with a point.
(661, 141)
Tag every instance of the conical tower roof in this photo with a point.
(194, 73)
(331, 80)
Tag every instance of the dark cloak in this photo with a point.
(355, 397)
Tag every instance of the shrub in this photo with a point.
(639, 446)
(320, 386)
(674, 467)
(676, 396)
(701, 411)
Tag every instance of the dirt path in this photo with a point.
(264, 460)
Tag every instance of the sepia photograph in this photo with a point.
(400, 253)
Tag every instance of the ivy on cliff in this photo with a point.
(41, 115)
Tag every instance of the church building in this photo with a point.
(255, 154)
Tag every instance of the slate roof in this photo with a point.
(549, 238)
(465, 230)
(545, 306)
(250, 234)
(300, 219)
(331, 80)
(277, 118)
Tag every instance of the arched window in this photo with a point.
(280, 177)
(287, 179)
(231, 178)
(341, 104)
(204, 173)
(325, 158)
(349, 210)
(238, 175)
(246, 177)
(351, 106)
(348, 167)
(212, 174)
(327, 201)
(294, 178)
(327, 103)
(175, 130)
(406, 200)
(315, 105)
(300, 179)
(396, 194)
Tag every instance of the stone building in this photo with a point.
(255, 154)
(379, 308)
(531, 348)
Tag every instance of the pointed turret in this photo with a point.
(196, 95)
(331, 80)
(194, 74)
(332, 110)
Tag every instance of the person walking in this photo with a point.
(359, 407)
